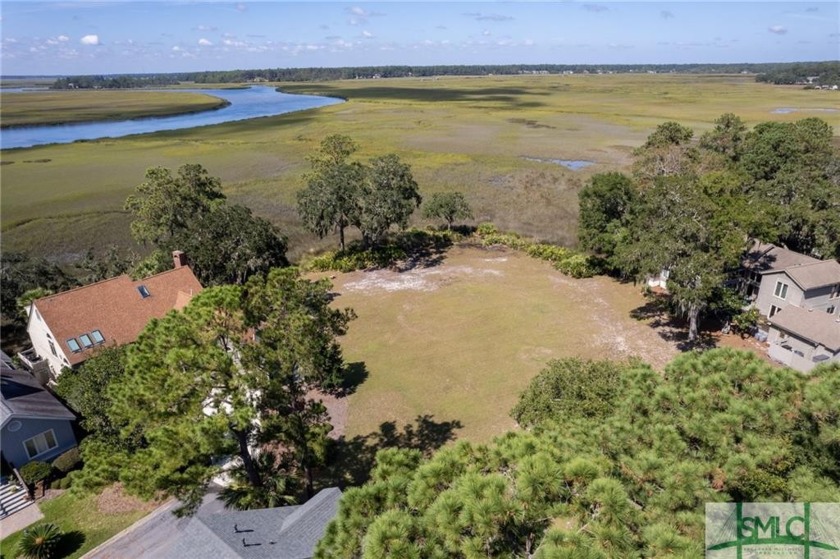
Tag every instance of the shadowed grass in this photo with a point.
(467, 134)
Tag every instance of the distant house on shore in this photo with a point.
(68, 327)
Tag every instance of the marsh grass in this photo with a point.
(466, 134)
(63, 107)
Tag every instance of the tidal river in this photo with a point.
(253, 102)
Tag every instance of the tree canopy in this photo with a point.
(447, 206)
(632, 482)
(692, 207)
(164, 204)
(340, 193)
(224, 243)
(226, 377)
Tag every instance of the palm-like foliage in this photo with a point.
(40, 541)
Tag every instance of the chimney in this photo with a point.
(179, 258)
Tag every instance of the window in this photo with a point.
(143, 290)
(40, 443)
(781, 290)
(830, 310)
(74, 345)
(773, 310)
(86, 341)
(835, 291)
(52, 348)
(97, 336)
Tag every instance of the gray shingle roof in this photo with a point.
(767, 257)
(22, 397)
(815, 326)
(814, 275)
(278, 533)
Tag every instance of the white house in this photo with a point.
(68, 327)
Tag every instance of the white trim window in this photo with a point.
(781, 290)
(40, 443)
(773, 310)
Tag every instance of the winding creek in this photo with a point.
(253, 102)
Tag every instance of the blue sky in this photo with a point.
(85, 37)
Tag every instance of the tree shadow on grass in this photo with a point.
(69, 543)
(673, 329)
(351, 460)
(354, 375)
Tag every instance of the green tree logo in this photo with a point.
(755, 530)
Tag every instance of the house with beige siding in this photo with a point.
(800, 297)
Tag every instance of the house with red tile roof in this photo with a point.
(68, 327)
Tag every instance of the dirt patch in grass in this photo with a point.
(114, 500)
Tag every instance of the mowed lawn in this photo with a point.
(484, 136)
(460, 340)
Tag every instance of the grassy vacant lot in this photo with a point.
(62, 107)
(471, 134)
(460, 340)
(87, 521)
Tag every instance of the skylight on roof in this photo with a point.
(97, 336)
(143, 290)
(74, 345)
(86, 341)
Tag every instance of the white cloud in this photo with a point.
(358, 11)
(204, 42)
(176, 48)
(367, 34)
(90, 40)
(241, 7)
(63, 38)
(486, 33)
(777, 29)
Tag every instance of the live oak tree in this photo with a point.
(677, 227)
(164, 205)
(447, 206)
(229, 244)
(224, 243)
(227, 377)
(388, 197)
(629, 481)
(330, 200)
(605, 204)
(340, 193)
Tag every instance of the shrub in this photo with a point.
(576, 266)
(552, 253)
(40, 541)
(486, 229)
(68, 461)
(35, 471)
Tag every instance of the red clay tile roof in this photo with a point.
(115, 307)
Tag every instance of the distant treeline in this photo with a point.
(129, 81)
(804, 73)
(767, 72)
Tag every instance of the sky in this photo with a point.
(85, 37)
